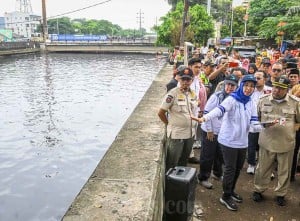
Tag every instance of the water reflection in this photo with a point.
(58, 116)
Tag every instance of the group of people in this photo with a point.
(238, 114)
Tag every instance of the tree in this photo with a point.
(264, 22)
(225, 31)
(200, 29)
(201, 26)
(238, 21)
(169, 31)
(59, 25)
(261, 9)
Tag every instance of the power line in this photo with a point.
(77, 10)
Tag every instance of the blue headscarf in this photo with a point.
(239, 94)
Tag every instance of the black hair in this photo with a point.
(192, 61)
(252, 65)
(265, 75)
(242, 70)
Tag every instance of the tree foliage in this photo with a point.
(65, 25)
(200, 29)
(265, 15)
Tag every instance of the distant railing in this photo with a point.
(6, 46)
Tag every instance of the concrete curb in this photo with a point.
(128, 182)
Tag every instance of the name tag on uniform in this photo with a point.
(181, 98)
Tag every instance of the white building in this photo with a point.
(23, 24)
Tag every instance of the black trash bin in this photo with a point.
(180, 193)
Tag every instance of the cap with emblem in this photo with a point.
(281, 82)
(231, 79)
(249, 77)
(186, 73)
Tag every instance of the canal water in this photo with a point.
(59, 113)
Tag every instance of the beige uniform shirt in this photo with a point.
(180, 105)
(278, 138)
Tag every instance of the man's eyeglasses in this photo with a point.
(276, 70)
(258, 78)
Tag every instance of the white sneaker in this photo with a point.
(196, 144)
(216, 177)
(251, 169)
(206, 184)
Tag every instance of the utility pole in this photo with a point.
(139, 17)
(231, 22)
(185, 23)
(57, 26)
(45, 26)
(246, 5)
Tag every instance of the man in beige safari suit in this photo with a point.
(180, 103)
(278, 112)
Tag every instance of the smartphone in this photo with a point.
(233, 64)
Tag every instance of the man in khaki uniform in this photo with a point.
(180, 103)
(279, 112)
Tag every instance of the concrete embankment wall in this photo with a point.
(14, 48)
(128, 182)
(105, 48)
(88, 48)
(20, 51)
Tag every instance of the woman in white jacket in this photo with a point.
(238, 112)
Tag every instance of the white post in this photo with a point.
(208, 6)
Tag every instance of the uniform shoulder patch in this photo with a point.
(294, 97)
(264, 96)
(169, 99)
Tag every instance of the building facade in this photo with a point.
(23, 24)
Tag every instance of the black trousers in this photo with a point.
(210, 158)
(296, 150)
(234, 159)
(252, 147)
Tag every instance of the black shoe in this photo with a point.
(257, 197)
(236, 197)
(280, 201)
(293, 179)
(229, 203)
(194, 160)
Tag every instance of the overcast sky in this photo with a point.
(121, 12)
